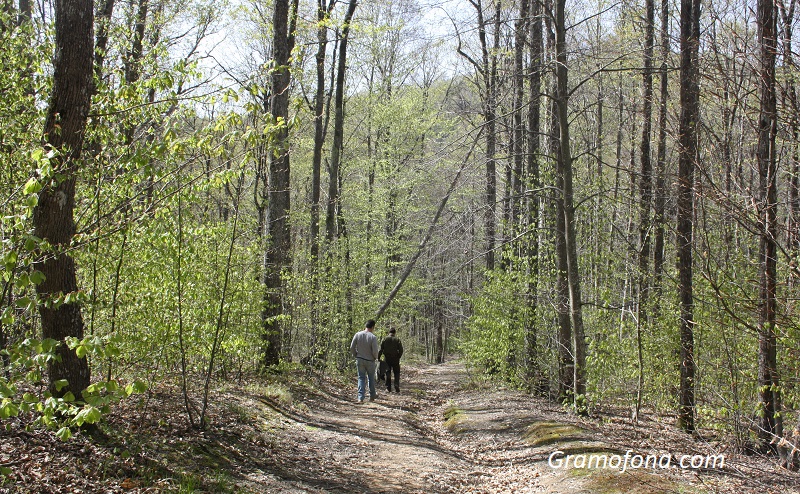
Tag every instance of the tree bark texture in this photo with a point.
(567, 200)
(687, 143)
(660, 199)
(518, 143)
(277, 252)
(332, 222)
(790, 101)
(53, 217)
(645, 192)
(566, 359)
(646, 177)
(533, 372)
(768, 379)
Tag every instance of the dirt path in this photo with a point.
(443, 434)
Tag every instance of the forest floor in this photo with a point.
(444, 433)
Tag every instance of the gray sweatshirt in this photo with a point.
(364, 345)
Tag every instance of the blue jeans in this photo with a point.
(366, 372)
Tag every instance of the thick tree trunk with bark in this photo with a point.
(768, 379)
(687, 143)
(277, 253)
(53, 217)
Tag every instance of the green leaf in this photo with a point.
(81, 351)
(61, 384)
(32, 186)
(22, 281)
(68, 397)
(64, 433)
(37, 277)
(5, 391)
(89, 415)
(32, 243)
(8, 316)
(5, 471)
(95, 388)
(8, 409)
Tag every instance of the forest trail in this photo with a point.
(444, 434)
(297, 432)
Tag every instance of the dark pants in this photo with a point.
(394, 367)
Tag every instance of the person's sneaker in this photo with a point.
(361, 400)
(397, 389)
(388, 390)
(372, 398)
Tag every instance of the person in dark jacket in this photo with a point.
(392, 350)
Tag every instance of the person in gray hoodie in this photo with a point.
(364, 348)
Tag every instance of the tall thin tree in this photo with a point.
(532, 182)
(660, 199)
(645, 191)
(687, 143)
(333, 216)
(565, 172)
(768, 379)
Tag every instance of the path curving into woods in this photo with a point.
(447, 434)
(302, 433)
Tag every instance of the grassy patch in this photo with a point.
(454, 419)
(545, 433)
(630, 482)
(279, 393)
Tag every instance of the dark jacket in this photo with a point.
(391, 348)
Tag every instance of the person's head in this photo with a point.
(392, 331)
(370, 325)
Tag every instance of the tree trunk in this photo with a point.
(331, 223)
(768, 379)
(687, 145)
(533, 372)
(489, 72)
(790, 94)
(25, 12)
(428, 234)
(53, 217)
(101, 44)
(567, 199)
(518, 143)
(323, 13)
(277, 253)
(645, 192)
(659, 205)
